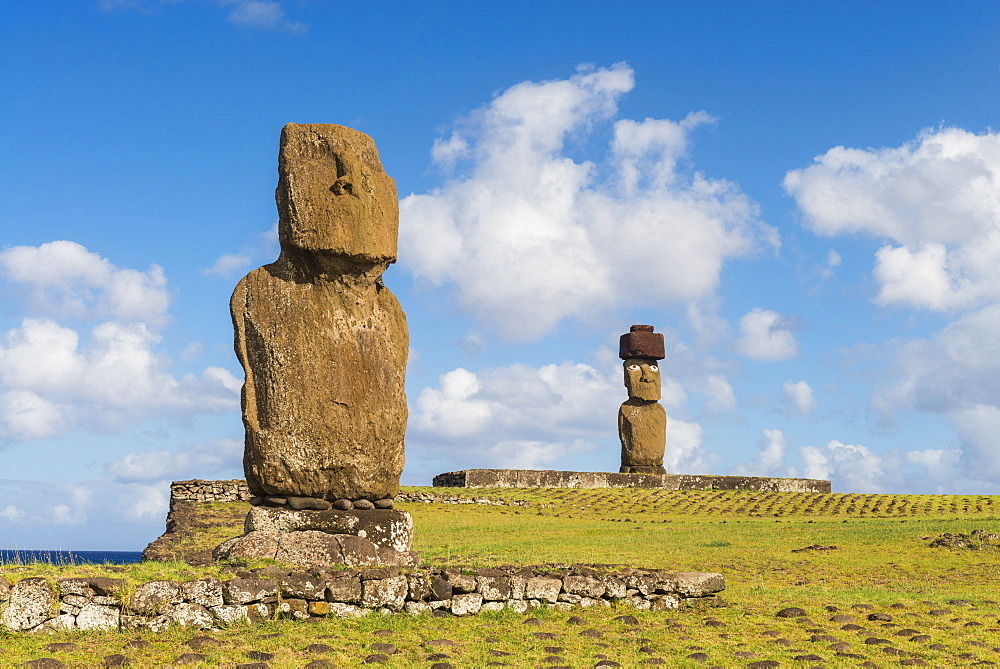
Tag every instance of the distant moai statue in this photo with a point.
(642, 422)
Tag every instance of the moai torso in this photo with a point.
(323, 343)
(642, 422)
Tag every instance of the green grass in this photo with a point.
(882, 560)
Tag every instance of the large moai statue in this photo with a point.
(322, 341)
(324, 344)
(642, 422)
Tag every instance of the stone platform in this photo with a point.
(531, 478)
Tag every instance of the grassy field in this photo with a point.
(928, 606)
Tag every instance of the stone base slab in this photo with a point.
(313, 548)
(386, 528)
(531, 478)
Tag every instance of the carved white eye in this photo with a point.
(654, 368)
(633, 368)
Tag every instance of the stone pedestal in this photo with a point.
(357, 538)
(384, 528)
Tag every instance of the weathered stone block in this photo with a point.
(294, 608)
(494, 588)
(640, 603)
(144, 623)
(643, 582)
(440, 588)
(98, 617)
(698, 584)
(205, 592)
(383, 527)
(388, 557)
(388, 592)
(346, 590)
(246, 590)
(191, 615)
(319, 548)
(663, 602)
(89, 587)
(75, 600)
(251, 545)
(584, 586)
(32, 601)
(518, 583)
(543, 588)
(319, 608)
(342, 610)
(260, 611)
(57, 624)
(518, 605)
(416, 608)
(614, 586)
(230, 614)
(302, 586)
(466, 604)
(460, 583)
(418, 587)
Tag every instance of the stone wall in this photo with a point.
(38, 605)
(529, 478)
(197, 490)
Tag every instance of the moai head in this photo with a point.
(641, 348)
(642, 379)
(333, 196)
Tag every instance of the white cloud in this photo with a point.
(766, 336)
(11, 512)
(719, 394)
(935, 197)
(75, 511)
(197, 460)
(65, 278)
(263, 15)
(935, 200)
(51, 514)
(526, 236)
(770, 460)
(554, 400)
(55, 378)
(685, 452)
(918, 278)
(854, 467)
(472, 342)
(263, 248)
(958, 368)
(229, 264)
(800, 394)
(51, 382)
(979, 427)
(528, 417)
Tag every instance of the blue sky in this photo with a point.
(804, 197)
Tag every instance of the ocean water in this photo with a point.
(26, 556)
